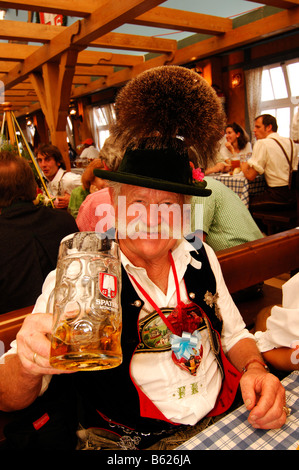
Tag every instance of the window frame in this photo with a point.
(290, 102)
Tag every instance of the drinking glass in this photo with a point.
(87, 325)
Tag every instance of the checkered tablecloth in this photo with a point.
(233, 432)
(241, 185)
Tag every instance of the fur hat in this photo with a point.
(159, 115)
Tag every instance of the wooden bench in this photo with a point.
(10, 323)
(255, 262)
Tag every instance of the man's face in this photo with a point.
(48, 166)
(260, 131)
(149, 222)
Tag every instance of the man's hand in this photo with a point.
(34, 345)
(62, 202)
(264, 396)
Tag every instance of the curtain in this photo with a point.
(253, 80)
(91, 125)
(103, 116)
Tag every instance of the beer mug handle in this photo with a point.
(50, 302)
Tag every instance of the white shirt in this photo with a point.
(63, 182)
(283, 323)
(268, 159)
(295, 127)
(182, 397)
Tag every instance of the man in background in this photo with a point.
(274, 157)
(59, 182)
(29, 235)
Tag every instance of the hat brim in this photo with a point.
(153, 183)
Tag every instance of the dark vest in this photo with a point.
(112, 392)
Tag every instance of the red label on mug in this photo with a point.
(108, 285)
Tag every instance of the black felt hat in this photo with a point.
(163, 169)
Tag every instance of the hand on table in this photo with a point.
(264, 396)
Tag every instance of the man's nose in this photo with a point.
(153, 215)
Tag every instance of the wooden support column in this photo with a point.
(11, 134)
(53, 87)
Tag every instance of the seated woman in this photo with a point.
(237, 143)
(90, 184)
(278, 338)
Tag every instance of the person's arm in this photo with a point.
(219, 167)
(18, 388)
(262, 392)
(283, 358)
(248, 171)
(21, 374)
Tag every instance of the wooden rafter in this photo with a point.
(260, 29)
(282, 21)
(11, 53)
(80, 34)
(35, 32)
(286, 4)
(74, 8)
(162, 17)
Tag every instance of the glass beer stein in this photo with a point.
(87, 324)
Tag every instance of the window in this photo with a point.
(103, 118)
(280, 93)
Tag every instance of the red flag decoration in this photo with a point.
(51, 18)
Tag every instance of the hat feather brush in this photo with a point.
(167, 102)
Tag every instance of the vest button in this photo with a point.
(192, 295)
(137, 303)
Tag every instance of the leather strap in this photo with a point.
(290, 162)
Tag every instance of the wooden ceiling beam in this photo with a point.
(75, 8)
(16, 52)
(81, 79)
(135, 42)
(36, 32)
(158, 17)
(19, 52)
(283, 21)
(80, 34)
(97, 70)
(110, 16)
(169, 18)
(106, 58)
(6, 66)
(23, 86)
(28, 32)
(285, 4)
(252, 32)
(21, 93)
